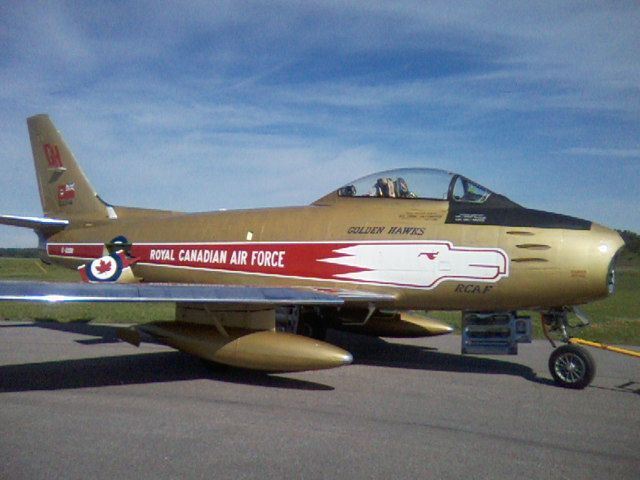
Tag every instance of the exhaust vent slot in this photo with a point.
(534, 246)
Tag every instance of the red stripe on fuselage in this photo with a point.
(390, 263)
(76, 250)
(288, 259)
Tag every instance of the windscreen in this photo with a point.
(419, 183)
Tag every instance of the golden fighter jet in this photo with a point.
(259, 288)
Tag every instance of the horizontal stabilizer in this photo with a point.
(47, 226)
(52, 292)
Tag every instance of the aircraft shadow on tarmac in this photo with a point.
(378, 352)
(158, 367)
(133, 370)
(138, 368)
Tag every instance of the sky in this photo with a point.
(244, 104)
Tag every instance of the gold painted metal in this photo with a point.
(547, 281)
(399, 325)
(55, 166)
(548, 267)
(432, 326)
(237, 317)
(255, 349)
(543, 280)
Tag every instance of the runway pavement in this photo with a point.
(75, 403)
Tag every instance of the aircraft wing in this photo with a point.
(240, 336)
(58, 292)
(357, 296)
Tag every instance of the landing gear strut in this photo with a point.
(570, 366)
(308, 322)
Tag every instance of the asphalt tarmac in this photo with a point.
(75, 404)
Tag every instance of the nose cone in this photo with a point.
(604, 246)
(609, 241)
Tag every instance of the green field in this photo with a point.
(33, 269)
(615, 319)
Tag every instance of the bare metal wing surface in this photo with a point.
(54, 292)
(239, 335)
(357, 296)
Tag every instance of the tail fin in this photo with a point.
(65, 191)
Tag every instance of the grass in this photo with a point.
(32, 269)
(615, 319)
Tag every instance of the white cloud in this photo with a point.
(604, 152)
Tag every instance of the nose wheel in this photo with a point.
(572, 366)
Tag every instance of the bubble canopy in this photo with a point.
(417, 183)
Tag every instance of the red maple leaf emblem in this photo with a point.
(104, 266)
(429, 255)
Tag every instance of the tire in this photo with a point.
(572, 366)
(312, 327)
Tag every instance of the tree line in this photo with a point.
(631, 239)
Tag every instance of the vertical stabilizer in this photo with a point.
(65, 191)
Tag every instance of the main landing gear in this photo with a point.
(571, 366)
(306, 321)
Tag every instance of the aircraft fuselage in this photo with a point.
(406, 247)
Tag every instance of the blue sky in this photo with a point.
(245, 104)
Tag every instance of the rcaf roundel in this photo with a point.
(103, 269)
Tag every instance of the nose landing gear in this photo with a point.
(571, 366)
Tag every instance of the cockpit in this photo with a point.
(418, 183)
